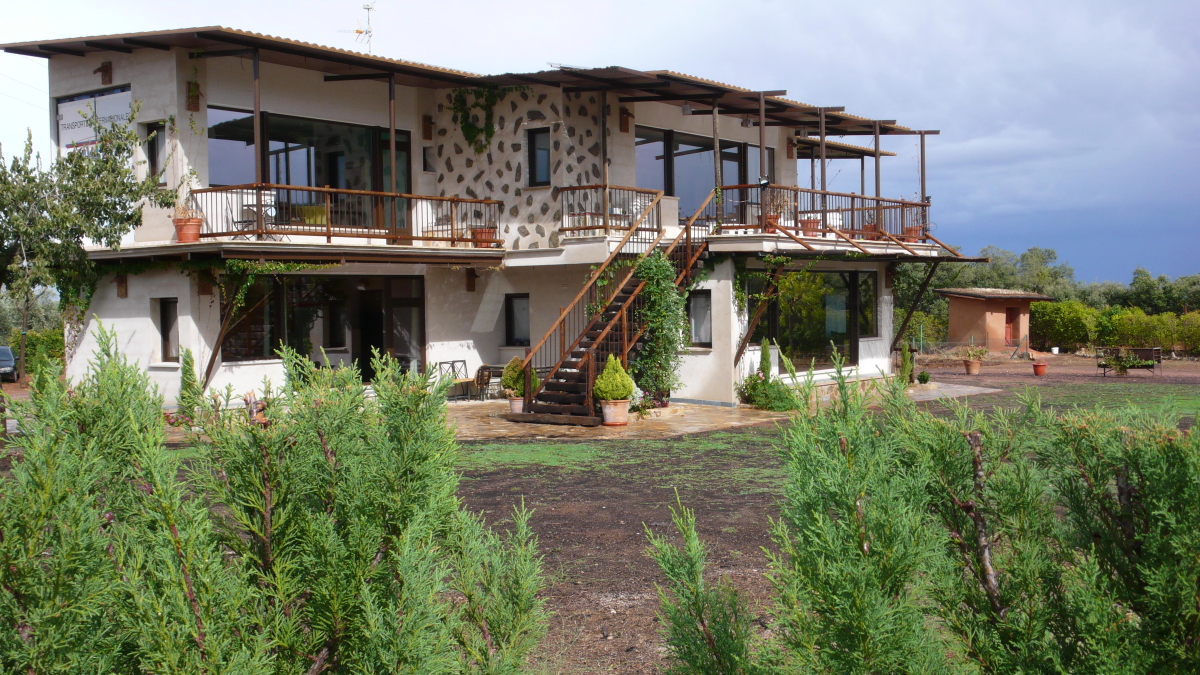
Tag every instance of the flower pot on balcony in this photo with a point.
(516, 405)
(615, 413)
(1039, 369)
(770, 223)
(483, 233)
(972, 366)
(811, 227)
(912, 233)
(187, 230)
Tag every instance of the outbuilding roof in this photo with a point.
(991, 294)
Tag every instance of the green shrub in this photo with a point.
(1189, 332)
(1069, 325)
(513, 378)
(767, 393)
(1134, 328)
(48, 344)
(1016, 540)
(614, 384)
(930, 327)
(764, 358)
(319, 533)
(667, 333)
(923, 377)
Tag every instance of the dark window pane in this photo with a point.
(257, 334)
(539, 157)
(700, 316)
(314, 153)
(810, 318)
(868, 294)
(230, 147)
(694, 174)
(516, 319)
(156, 149)
(168, 326)
(650, 162)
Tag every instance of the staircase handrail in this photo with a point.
(592, 280)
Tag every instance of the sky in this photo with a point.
(1065, 125)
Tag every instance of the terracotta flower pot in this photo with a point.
(1039, 369)
(483, 233)
(187, 230)
(972, 366)
(769, 223)
(912, 233)
(811, 227)
(616, 413)
(516, 405)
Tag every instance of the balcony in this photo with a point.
(269, 212)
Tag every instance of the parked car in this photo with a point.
(8, 365)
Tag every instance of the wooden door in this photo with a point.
(1012, 317)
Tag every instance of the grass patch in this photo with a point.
(557, 455)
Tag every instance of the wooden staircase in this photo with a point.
(602, 322)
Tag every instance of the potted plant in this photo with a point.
(187, 224)
(1039, 368)
(913, 233)
(512, 381)
(482, 234)
(811, 227)
(614, 388)
(773, 204)
(973, 357)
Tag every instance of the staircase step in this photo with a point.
(571, 364)
(570, 376)
(575, 387)
(562, 397)
(560, 409)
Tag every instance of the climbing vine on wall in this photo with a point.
(667, 329)
(478, 129)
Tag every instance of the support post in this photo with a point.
(878, 205)
(924, 195)
(916, 301)
(604, 158)
(763, 173)
(258, 140)
(528, 405)
(824, 177)
(718, 174)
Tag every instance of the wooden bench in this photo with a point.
(1151, 356)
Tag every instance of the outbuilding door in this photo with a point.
(1012, 318)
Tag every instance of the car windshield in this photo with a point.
(6, 354)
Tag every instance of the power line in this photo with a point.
(40, 90)
(40, 107)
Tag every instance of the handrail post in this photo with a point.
(591, 377)
(527, 407)
(562, 331)
(259, 211)
(453, 223)
(605, 205)
(328, 219)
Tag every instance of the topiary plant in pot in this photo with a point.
(512, 381)
(613, 388)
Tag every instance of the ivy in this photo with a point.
(465, 100)
(667, 330)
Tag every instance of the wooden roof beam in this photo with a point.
(357, 76)
(145, 44)
(54, 49)
(27, 52)
(618, 87)
(108, 48)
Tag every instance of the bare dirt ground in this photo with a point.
(593, 496)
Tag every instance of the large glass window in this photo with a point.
(816, 314)
(651, 160)
(681, 165)
(313, 153)
(230, 147)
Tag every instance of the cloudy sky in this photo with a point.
(1068, 125)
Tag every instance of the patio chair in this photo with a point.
(457, 372)
(483, 379)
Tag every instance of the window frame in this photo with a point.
(509, 338)
(155, 146)
(531, 155)
(168, 334)
(705, 292)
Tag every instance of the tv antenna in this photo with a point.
(363, 34)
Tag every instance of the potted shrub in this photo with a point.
(187, 224)
(483, 233)
(811, 227)
(512, 381)
(773, 204)
(614, 388)
(913, 233)
(1039, 368)
(973, 357)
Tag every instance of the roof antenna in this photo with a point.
(363, 34)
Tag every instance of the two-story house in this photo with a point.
(437, 243)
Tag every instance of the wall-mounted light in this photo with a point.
(745, 121)
(687, 108)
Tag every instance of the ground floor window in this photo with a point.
(516, 320)
(332, 320)
(817, 314)
(168, 328)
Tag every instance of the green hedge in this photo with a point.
(48, 342)
(1071, 325)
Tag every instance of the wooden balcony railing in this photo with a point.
(265, 211)
(816, 214)
(590, 210)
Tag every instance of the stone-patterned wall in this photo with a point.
(531, 215)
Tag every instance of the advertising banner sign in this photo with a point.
(111, 106)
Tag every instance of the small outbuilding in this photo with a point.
(996, 317)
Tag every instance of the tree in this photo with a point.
(47, 213)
